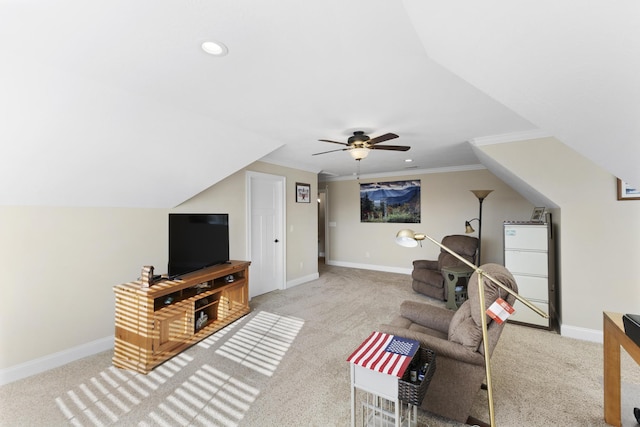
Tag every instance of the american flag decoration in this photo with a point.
(385, 353)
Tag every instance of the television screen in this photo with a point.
(197, 241)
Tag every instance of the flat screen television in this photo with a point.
(197, 241)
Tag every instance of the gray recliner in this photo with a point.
(456, 339)
(427, 276)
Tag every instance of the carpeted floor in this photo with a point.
(285, 365)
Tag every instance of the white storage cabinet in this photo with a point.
(529, 256)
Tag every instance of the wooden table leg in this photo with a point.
(611, 379)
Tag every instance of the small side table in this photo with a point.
(452, 276)
(376, 366)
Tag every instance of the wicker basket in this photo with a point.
(413, 393)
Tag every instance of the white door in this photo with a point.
(265, 232)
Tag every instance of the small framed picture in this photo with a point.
(627, 192)
(303, 193)
(539, 214)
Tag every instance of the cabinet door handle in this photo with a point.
(276, 241)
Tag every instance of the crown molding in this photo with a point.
(292, 165)
(510, 137)
(402, 173)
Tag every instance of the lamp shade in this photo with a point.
(408, 238)
(359, 153)
(468, 228)
(481, 194)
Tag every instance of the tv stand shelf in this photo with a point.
(153, 324)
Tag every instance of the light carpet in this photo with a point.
(285, 365)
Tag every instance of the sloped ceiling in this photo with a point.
(113, 103)
(569, 67)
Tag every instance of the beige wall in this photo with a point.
(59, 265)
(599, 235)
(229, 196)
(446, 203)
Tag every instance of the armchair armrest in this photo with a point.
(427, 315)
(426, 264)
(441, 347)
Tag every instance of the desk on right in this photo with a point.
(614, 338)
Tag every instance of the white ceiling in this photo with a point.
(113, 103)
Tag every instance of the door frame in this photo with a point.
(250, 176)
(325, 191)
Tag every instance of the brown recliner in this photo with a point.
(456, 339)
(427, 276)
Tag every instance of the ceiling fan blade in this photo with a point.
(382, 138)
(333, 142)
(331, 151)
(391, 147)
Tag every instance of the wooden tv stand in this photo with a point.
(155, 323)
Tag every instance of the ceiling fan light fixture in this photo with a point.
(359, 153)
(360, 144)
(358, 138)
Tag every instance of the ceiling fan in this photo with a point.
(359, 144)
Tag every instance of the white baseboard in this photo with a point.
(583, 334)
(370, 267)
(301, 280)
(42, 364)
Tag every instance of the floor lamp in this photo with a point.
(408, 238)
(481, 195)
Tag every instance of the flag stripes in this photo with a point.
(385, 353)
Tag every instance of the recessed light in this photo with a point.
(408, 160)
(215, 48)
